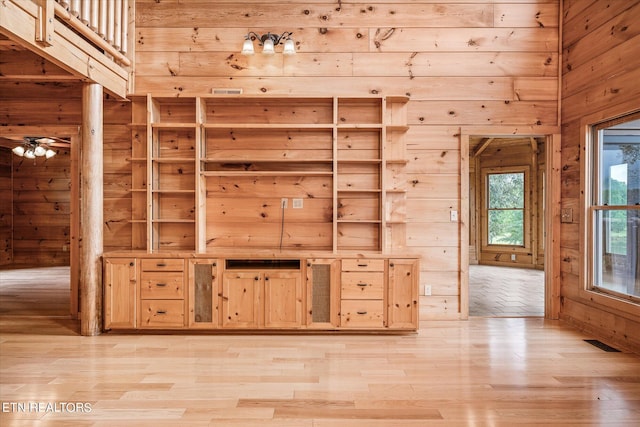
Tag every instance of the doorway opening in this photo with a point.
(505, 260)
(40, 264)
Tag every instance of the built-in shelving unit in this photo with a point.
(216, 172)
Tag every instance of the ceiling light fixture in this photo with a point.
(268, 42)
(32, 148)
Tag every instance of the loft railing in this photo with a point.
(102, 22)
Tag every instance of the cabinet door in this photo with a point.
(403, 294)
(282, 299)
(120, 293)
(203, 293)
(241, 299)
(323, 293)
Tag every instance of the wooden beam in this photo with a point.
(69, 51)
(44, 22)
(92, 210)
(482, 146)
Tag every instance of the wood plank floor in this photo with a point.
(481, 372)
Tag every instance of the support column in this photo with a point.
(92, 213)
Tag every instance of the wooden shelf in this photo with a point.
(367, 190)
(219, 166)
(258, 126)
(258, 161)
(173, 159)
(265, 173)
(397, 128)
(162, 125)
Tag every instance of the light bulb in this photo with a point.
(247, 47)
(29, 154)
(268, 48)
(39, 151)
(289, 47)
(19, 150)
(49, 153)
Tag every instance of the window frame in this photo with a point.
(526, 210)
(594, 207)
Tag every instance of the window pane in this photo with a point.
(616, 239)
(506, 227)
(617, 263)
(506, 190)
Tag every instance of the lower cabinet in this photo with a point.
(120, 283)
(331, 293)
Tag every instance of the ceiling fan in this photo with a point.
(39, 146)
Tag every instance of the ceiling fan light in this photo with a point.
(39, 151)
(18, 151)
(45, 140)
(49, 153)
(29, 154)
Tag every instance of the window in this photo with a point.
(505, 208)
(615, 207)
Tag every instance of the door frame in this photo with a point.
(551, 134)
(73, 134)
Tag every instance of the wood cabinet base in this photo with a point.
(281, 292)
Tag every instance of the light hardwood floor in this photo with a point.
(481, 372)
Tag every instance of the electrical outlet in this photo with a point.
(427, 289)
(283, 203)
(513, 257)
(65, 248)
(296, 203)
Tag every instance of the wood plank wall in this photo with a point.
(600, 74)
(6, 210)
(480, 62)
(41, 226)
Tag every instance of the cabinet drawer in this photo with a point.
(161, 285)
(362, 265)
(362, 314)
(362, 285)
(162, 264)
(162, 313)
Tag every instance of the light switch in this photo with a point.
(453, 216)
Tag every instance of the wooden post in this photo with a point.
(92, 213)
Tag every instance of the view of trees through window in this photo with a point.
(506, 208)
(615, 206)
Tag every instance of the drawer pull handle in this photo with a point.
(161, 311)
(363, 284)
(161, 285)
(362, 312)
(161, 264)
(363, 265)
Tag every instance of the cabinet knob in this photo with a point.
(266, 278)
(131, 264)
(390, 264)
(256, 278)
(214, 264)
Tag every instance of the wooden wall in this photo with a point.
(600, 75)
(6, 211)
(463, 64)
(41, 194)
